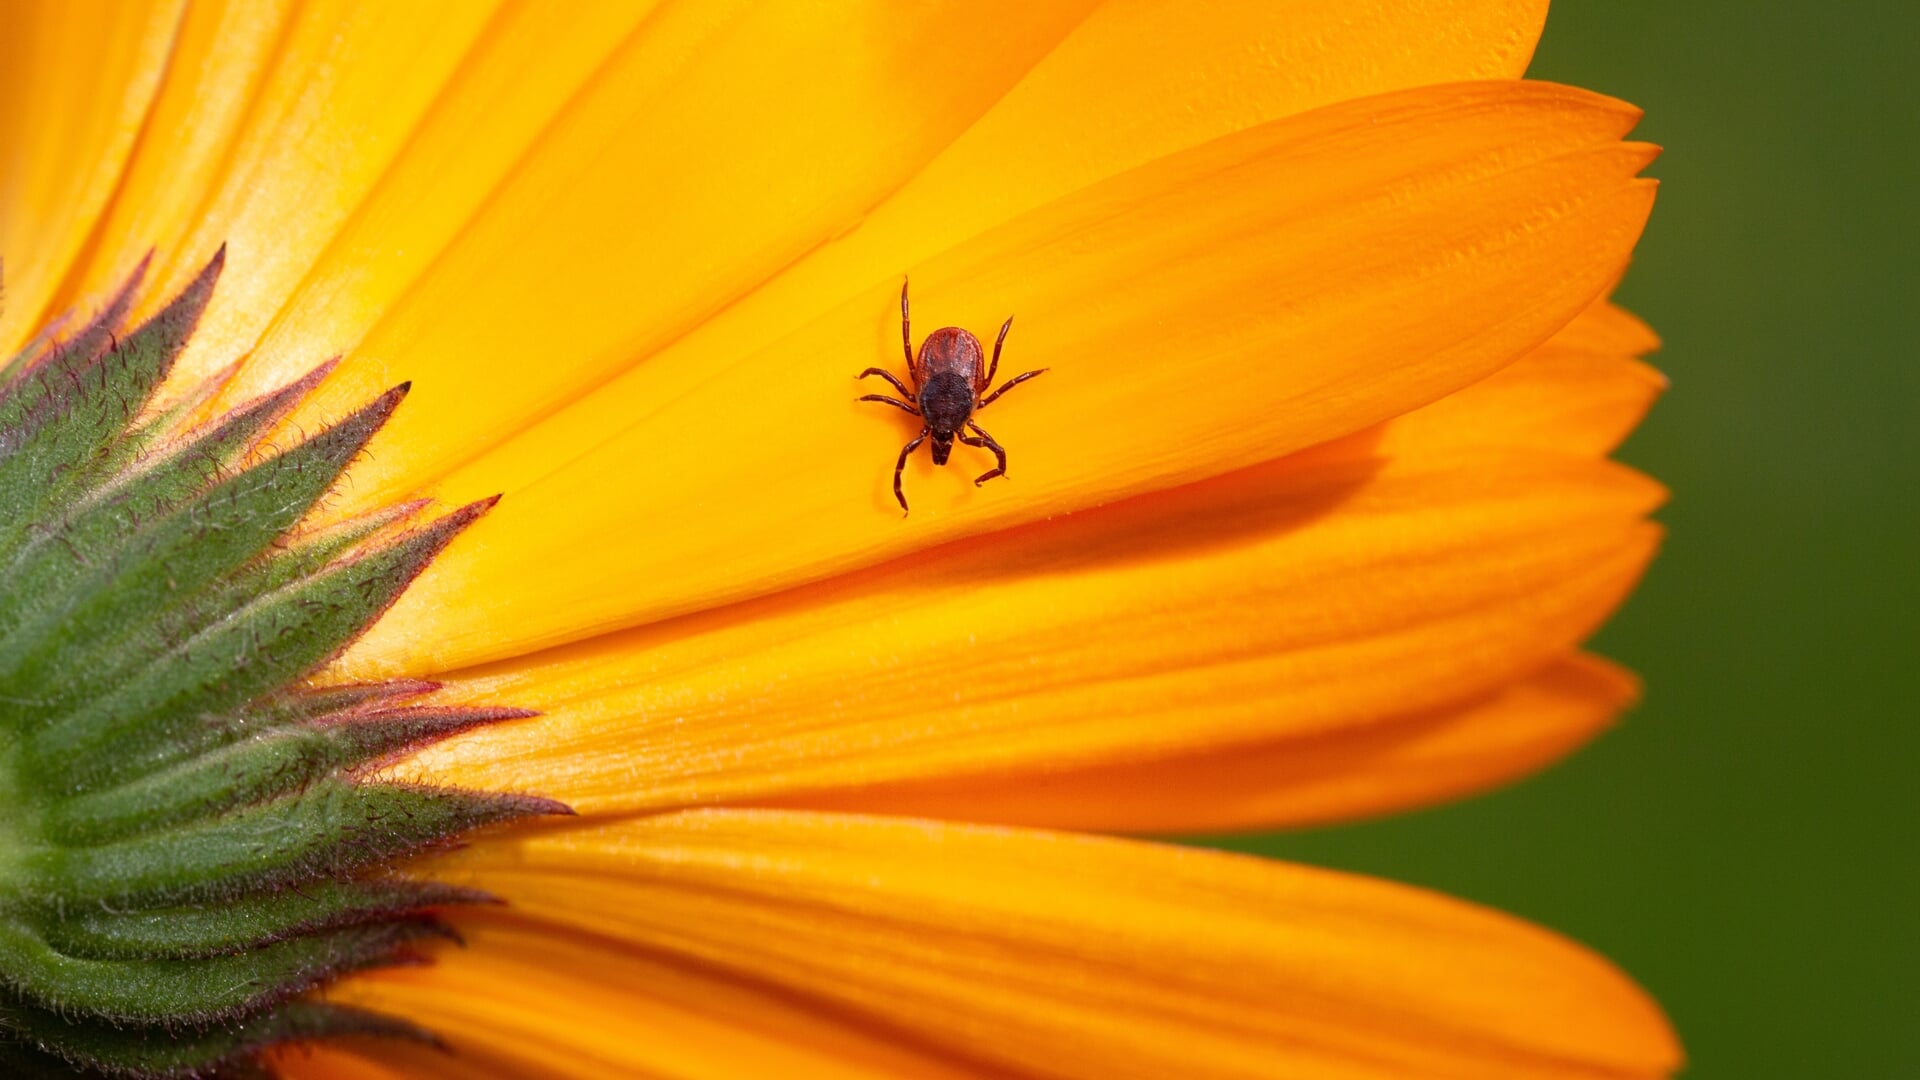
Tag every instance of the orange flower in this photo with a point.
(1306, 523)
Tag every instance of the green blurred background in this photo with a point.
(1744, 842)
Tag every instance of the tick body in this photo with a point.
(949, 377)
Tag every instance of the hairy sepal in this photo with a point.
(48, 1044)
(191, 835)
(185, 932)
(261, 644)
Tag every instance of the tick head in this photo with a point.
(942, 446)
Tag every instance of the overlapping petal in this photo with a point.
(76, 85)
(1209, 311)
(1290, 600)
(1131, 83)
(1299, 585)
(437, 102)
(631, 253)
(1392, 763)
(532, 999)
(719, 142)
(1057, 955)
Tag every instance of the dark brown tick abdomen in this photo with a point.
(951, 371)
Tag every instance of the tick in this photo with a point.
(948, 380)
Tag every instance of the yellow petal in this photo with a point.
(718, 145)
(526, 72)
(1395, 764)
(531, 1000)
(1581, 393)
(1138, 81)
(77, 83)
(345, 75)
(643, 719)
(1262, 293)
(221, 59)
(502, 76)
(325, 1061)
(1132, 83)
(1282, 600)
(1065, 956)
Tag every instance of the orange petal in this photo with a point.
(608, 700)
(332, 65)
(522, 76)
(77, 82)
(1391, 250)
(1395, 764)
(1582, 392)
(718, 145)
(1132, 83)
(1139, 81)
(221, 59)
(338, 103)
(336, 1061)
(1289, 599)
(531, 1000)
(1063, 955)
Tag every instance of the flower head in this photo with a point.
(1306, 523)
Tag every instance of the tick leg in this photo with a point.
(890, 377)
(985, 441)
(906, 332)
(901, 466)
(890, 401)
(997, 342)
(1008, 385)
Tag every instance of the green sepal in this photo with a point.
(254, 770)
(333, 829)
(258, 648)
(210, 929)
(43, 382)
(97, 525)
(212, 534)
(49, 1045)
(201, 990)
(70, 409)
(167, 423)
(296, 560)
(132, 758)
(189, 835)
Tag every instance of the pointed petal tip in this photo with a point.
(377, 411)
(471, 512)
(541, 806)
(444, 895)
(434, 928)
(406, 958)
(320, 370)
(210, 272)
(139, 271)
(455, 521)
